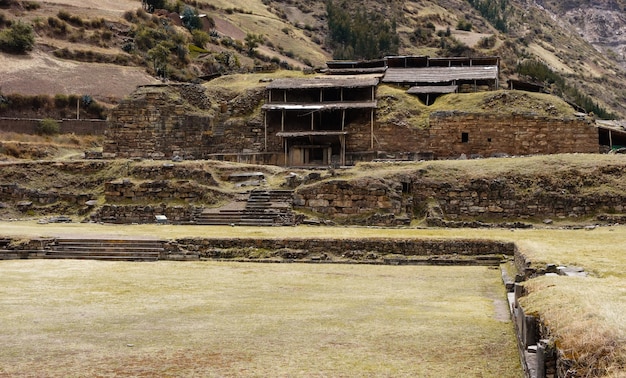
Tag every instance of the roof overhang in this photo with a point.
(294, 134)
(438, 89)
(321, 82)
(317, 106)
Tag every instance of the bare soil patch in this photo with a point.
(40, 73)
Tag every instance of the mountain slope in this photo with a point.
(293, 34)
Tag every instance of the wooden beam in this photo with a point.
(372, 130)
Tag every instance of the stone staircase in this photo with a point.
(262, 208)
(101, 249)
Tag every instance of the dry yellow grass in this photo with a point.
(583, 313)
(86, 318)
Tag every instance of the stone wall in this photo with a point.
(156, 124)
(151, 191)
(342, 247)
(165, 121)
(67, 126)
(128, 214)
(394, 200)
(338, 198)
(502, 198)
(17, 193)
(455, 133)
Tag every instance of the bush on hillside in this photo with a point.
(17, 39)
(48, 126)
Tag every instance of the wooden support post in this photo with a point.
(265, 131)
(286, 155)
(342, 157)
(372, 130)
(343, 119)
(282, 120)
(610, 139)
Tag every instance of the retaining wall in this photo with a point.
(67, 126)
(455, 133)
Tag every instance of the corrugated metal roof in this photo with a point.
(325, 82)
(440, 74)
(315, 106)
(433, 89)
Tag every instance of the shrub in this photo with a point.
(31, 5)
(17, 39)
(48, 126)
(61, 101)
(200, 38)
(464, 25)
(487, 42)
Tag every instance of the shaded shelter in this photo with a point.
(314, 114)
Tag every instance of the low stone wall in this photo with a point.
(17, 193)
(500, 198)
(159, 190)
(343, 247)
(129, 214)
(341, 198)
(67, 126)
(340, 250)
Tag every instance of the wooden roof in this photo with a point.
(440, 74)
(415, 61)
(333, 64)
(325, 82)
(320, 106)
(432, 89)
(355, 71)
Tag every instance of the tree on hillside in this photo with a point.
(151, 5)
(495, 11)
(159, 55)
(253, 41)
(190, 19)
(17, 39)
(360, 34)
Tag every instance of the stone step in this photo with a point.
(109, 242)
(100, 257)
(105, 249)
(110, 249)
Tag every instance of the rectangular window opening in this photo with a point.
(464, 137)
